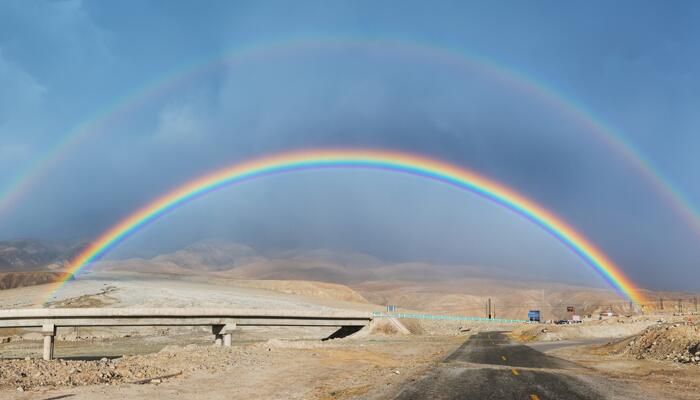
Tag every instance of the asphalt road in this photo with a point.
(489, 366)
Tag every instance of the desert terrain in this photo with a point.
(629, 355)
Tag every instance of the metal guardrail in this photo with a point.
(379, 314)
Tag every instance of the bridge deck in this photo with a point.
(37, 317)
(222, 320)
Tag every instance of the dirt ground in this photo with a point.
(654, 354)
(284, 363)
(373, 367)
(616, 327)
(659, 379)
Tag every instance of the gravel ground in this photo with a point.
(374, 367)
(679, 342)
(625, 376)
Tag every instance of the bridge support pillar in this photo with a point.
(222, 334)
(49, 332)
(216, 330)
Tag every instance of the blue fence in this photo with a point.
(378, 314)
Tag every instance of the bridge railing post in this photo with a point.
(49, 332)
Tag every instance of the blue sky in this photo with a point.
(630, 64)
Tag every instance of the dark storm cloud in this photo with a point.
(365, 96)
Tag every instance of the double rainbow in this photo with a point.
(162, 86)
(363, 159)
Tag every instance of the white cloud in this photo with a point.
(179, 123)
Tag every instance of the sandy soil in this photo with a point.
(275, 369)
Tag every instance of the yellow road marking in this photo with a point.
(503, 358)
(534, 397)
(515, 372)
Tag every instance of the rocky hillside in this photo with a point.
(11, 280)
(449, 289)
(235, 260)
(34, 255)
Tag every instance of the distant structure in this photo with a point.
(533, 315)
(607, 314)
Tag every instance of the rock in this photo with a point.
(20, 389)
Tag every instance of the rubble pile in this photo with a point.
(32, 373)
(679, 342)
(29, 374)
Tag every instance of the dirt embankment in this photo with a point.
(679, 342)
(11, 280)
(612, 328)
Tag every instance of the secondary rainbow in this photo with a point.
(362, 159)
(162, 86)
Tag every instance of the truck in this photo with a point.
(533, 315)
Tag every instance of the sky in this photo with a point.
(452, 81)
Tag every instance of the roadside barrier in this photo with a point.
(379, 314)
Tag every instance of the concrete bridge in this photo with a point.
(223, 321)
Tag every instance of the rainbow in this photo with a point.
(363, 159)
(132, 101)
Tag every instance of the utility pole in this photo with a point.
(680, 306)
(661, 303)
(695, 301)
(489, 308)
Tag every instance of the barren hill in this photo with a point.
(235, 260)
(11, 280)
(446, 289)
(35, 255)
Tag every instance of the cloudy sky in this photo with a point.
(106, 105)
